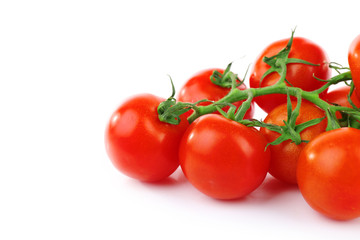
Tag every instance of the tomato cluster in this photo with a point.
(225, 158)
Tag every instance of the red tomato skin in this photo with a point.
(329, 173)
(222, 158)
(200, 87)
(354, 63)
(284, 156)
(339, 96)
(139, 144)
(299, 75)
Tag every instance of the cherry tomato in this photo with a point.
(284, 156)
(329, 173)
(299, 75)
(200, 87)
(222, 158)
(354, 63)
(339, 96)
(139, 144)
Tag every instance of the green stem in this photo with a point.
(244, 106)
(338, 78)
(238, 95)
(170, 110)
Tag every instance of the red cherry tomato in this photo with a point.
(222, 158)
(329, 173)
(139, 144)
(299, 75)
(200, 87)
(354, 63)
(284, 156)
(339, 96)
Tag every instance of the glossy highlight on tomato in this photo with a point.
(298, 74)
(139, 144)
(222, 158)
(329, 173)
(284, 156)
(200, 87)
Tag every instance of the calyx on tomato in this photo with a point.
(170, 110)
(278, 63)
(291, 130)
(227, 79)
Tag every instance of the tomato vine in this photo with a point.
(170, 110)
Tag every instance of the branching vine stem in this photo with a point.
(170, 110)
(238, 95)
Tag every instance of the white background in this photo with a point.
(66, 65)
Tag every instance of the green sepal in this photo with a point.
(278, 63)
(290, 130)
(302, 126)
(228, 79)
(169, 111)
(297, 60)
(293, 134)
